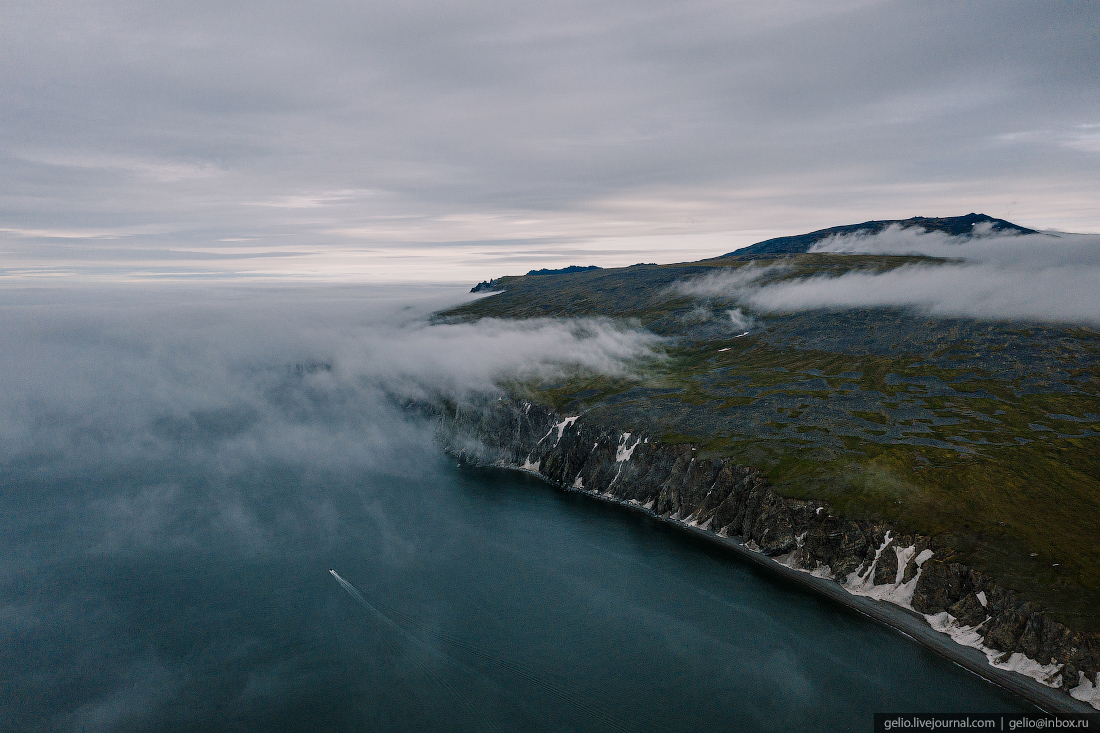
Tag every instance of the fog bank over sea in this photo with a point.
(220, 375)
(181, 465)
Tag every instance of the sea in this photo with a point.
(218, 513)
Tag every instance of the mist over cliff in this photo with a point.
(147, 431)
(1037, 277)
(231, 374)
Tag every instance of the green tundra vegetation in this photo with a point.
(982, 434)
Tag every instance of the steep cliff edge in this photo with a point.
(729, 500)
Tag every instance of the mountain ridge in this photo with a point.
(980, 433)
(956, 226)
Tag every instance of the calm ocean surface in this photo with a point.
(498, 604)
(180, 469)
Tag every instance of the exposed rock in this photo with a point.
(1071, 677)
(969, 611)
(1005, 630)
(919, 545)
(487, 285)
(941, 585)
(837, 543)
(772, 527)
(886, 570)
(725, 498)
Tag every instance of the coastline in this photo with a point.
(901, 620)
(916, 587)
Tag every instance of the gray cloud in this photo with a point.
(1034, 277)
(155, 440)
(218, 380)
(363, 136)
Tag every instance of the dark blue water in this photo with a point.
(508, 605)
(179, 470)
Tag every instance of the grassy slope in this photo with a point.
(983, 435)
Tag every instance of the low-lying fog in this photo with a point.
(181, 466)
(143, 422)
(1038, 277)
(217, 376)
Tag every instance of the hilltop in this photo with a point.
(982, 434)
(956, 226)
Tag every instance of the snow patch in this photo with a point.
(578, 482)
(751, 545)
(787, 559)
(528, 466)
(901, 594)
(855, 581)
(898, 593)
(904, 554)
(982, 600)
(623, 453)
(1086, 691)
(560, 427)
(1047, 674)
(693, 521)
(945, 623)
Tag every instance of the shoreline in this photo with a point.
(908, 623)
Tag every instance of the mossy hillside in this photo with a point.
(982, 434)
(645, 291)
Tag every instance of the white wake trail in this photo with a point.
(440, 679)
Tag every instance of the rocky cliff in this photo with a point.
(866, 558)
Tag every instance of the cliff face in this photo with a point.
(867, 558)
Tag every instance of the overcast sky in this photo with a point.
(413, 140)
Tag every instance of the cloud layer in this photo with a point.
(183, 396)
(178, 466)
(1034, 277)
(351, 140)
(130, 374)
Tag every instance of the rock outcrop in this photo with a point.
(487, 286)
(716, 495)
